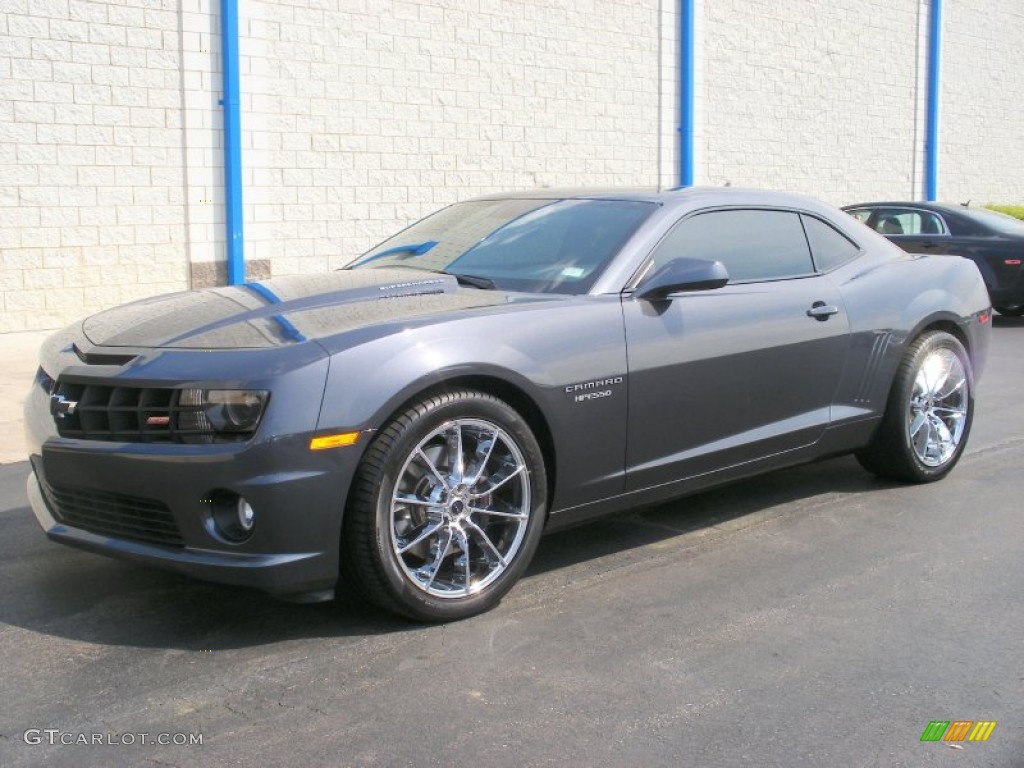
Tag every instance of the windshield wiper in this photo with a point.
(476, 281)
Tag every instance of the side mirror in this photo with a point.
(681, 275)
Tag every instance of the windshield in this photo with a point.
(537, 246)
(997, 221)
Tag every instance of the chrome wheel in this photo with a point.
(460, 508)
(938, 407)
(928, 414)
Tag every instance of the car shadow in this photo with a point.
(54, 590)
(728, 507)
(1005, 321)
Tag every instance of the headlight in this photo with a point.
(234, 410)
(221, 410)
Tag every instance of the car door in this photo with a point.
(722, 377)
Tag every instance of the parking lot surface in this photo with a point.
(811, 617)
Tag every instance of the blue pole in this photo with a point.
(931, 142)
(686, 97)
(232, 142)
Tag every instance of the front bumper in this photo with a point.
(152, 503)
(294, 546)
(304, 576)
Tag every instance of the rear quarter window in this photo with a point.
(829, 247)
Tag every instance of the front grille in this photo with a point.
(114, 515)
(133, 415)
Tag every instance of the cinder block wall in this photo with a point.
(824, 98)
(365, 115)
(91, 158)
(981, 148)
(359, 116)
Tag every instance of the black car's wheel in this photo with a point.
(447, 509)
(928, 416)
(1011, 311)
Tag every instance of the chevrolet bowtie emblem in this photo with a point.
(60, 407)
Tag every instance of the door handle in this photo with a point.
(821, 311)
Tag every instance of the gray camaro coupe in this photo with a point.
(413, 422)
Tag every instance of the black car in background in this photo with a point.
(993, 241)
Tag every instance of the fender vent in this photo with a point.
(98, 358)
(875, 357)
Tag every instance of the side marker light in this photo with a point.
(324, 442)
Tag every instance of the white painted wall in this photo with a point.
(819, 98)
(981, 147)
(91, 149)
(359, 116)
(366, 115)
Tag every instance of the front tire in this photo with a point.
(1016, 311)
(928, 417)
(447, 508)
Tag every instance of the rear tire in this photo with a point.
(928, 417)
(447, 508)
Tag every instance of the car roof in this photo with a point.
(690, 197)
(923, 205)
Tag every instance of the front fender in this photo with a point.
(540, 352)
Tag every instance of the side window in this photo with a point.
(900, 221)
(829, 247)
(932, 224)
(890, 222)
(861, 214)
(752, 244)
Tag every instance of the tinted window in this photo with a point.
(861, 214)
(829, 246)
(900, 221)
(753, 245)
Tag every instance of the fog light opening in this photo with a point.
(246, 515)
(232, 517)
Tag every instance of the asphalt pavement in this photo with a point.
(811, 617)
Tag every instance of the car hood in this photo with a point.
(287, 310)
